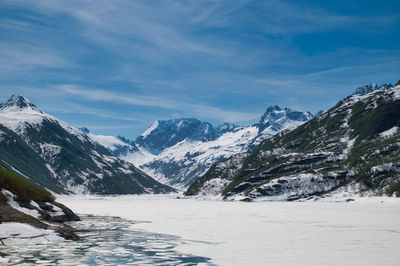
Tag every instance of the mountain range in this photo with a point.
(353, 148)
(178, 151)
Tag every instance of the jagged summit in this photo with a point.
(368, 87)
(166, 133)
(18, 103)
(275, 113)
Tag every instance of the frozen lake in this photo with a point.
(259, 233)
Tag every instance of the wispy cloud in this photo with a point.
(77, 109)
(17, 58)
(195, 109)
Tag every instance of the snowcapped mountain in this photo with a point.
(61, 157)
(353, 148)
(178, 151)
(167, 133)
(276, 119)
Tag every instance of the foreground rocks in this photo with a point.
(49, 217)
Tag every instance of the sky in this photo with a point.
(117, 66)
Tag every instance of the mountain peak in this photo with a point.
(18, 103)
(273, 108)
(369, 87)
(273, 113)
(276, 118)
(166, 133)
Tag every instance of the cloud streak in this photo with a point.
(196, 109)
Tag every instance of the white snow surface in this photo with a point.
(150, 129)
(364, 232)
(110, 142)
(25, 234)
(390, 132)
(17, 119)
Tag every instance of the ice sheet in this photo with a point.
(365, 232)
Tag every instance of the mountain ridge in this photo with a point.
(177, 151)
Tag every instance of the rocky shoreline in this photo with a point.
(49, 221)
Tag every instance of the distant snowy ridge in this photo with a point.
(178, 151)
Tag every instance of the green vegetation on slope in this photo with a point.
(368, 122)
(24, 190)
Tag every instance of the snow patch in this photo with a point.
(389, 132)
(49, 151)
(10, 199)
(150, 129)
(110, 142)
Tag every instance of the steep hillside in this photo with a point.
(352, 148)
(15, 153)
(63, 158)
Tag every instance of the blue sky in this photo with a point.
(116, 66)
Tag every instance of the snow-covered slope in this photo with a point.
(62, 157)
(180, 164)
(178, 151)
